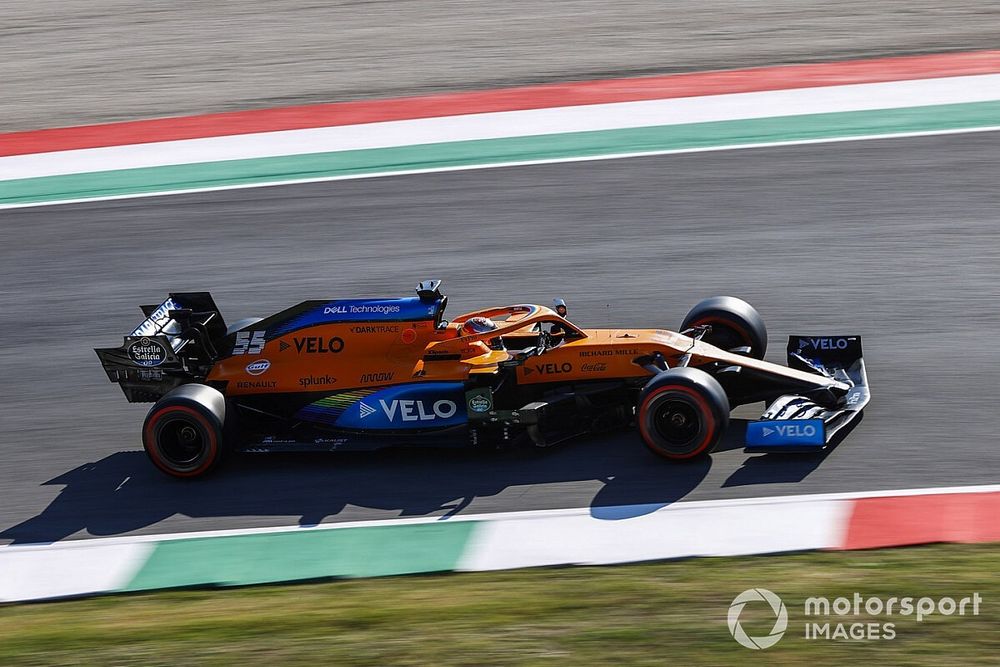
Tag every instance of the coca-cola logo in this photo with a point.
(598, 367)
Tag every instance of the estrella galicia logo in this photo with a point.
(147, 352)
(258, 367)
(777, 608)
(480, 403)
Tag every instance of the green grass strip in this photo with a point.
(288, 556)
(651, 614)
(499, 151)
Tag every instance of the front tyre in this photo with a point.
(183, 432)
(682, 413)
(734, 322)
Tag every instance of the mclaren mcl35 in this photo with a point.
(351, 374)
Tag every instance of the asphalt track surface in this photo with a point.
(75, 62)
(893, 239)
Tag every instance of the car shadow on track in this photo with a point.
(785, 468)
(123, 492)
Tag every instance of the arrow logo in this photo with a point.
(364, 409)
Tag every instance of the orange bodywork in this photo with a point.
(350, 355)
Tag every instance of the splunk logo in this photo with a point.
(411, 410)
(317, 381)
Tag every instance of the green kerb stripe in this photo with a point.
(310, 554)
(499, 151)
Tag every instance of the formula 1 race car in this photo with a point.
(368, 373)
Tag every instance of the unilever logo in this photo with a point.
(777, 607)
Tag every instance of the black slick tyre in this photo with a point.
(183, 432)
(734, 322)
(682, 414)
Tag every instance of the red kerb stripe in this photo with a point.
(900, 520)
(509, 99)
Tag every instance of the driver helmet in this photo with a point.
(478, 325)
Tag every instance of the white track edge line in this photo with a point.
(498, 165)
(500, 516)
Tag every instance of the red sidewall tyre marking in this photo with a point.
(149, 438)
(702, 404)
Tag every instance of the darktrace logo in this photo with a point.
(376, 329)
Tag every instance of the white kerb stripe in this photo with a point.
(39, 573)
(674, 532)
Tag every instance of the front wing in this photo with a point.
(795, 423)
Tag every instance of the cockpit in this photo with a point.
(518, 329)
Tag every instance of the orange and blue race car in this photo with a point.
(355, 374)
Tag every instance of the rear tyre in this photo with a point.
(734, 322)
(183, 432)
(682, 413)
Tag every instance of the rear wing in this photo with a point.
(174, 344)
(795, 423)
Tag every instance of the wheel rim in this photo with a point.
(678, 422)
(182, 441)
